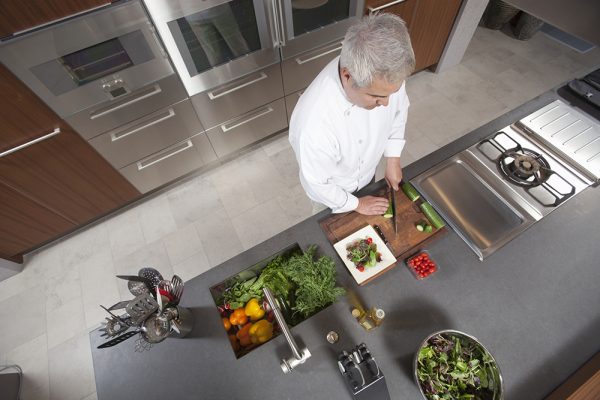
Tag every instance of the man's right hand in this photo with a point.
(371, 205)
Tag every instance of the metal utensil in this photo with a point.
(494, 375)
(140, 308)
(137, 288)
(118, 339)
(118, 306)
(134, 278)
(113, 327)
(395, 214)
(152, 275)
(382, 236)
(177, 289)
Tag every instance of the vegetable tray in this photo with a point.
(405, 243)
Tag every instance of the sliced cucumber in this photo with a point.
(420, 226)
(428, 229)
(432, 215)
(389, 213)
(410, 191)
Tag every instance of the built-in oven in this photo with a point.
(81, 62)
(215, 42)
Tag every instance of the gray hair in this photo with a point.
(378, 46)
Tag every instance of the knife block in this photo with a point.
(362, 375)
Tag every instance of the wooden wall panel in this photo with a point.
(18, 15)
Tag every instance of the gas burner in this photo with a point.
(524, 167)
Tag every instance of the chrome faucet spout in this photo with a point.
(299, 355)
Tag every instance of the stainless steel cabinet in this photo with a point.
(227, 101)
(248, 128)
(299, 71)
(115, 113)
(148, 134)
(170, 163)
(290, 103)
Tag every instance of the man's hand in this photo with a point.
(393, 172)
(371, 205)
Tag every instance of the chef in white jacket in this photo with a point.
(352, 114)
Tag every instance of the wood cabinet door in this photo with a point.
(431, 26)
(25, 223)
(18, 15)
(429, 23)
(23, 115)
(68, 176)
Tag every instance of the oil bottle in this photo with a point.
(368, 319)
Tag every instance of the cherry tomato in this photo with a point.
(369, 240)
(360, 268)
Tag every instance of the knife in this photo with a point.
(393, 200)
(382, 236)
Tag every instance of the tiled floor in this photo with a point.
(48, 309)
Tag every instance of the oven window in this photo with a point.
(308, 15)
(216, 35)
(96, 61)
(86, 65)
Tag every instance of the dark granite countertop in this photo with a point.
(535, 304)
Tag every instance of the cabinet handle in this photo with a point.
(55, 132)
(170, 152)
(301, 61)
(120, 135)
(386, 5)
(238, 123)
(215, 95)
(143, 95)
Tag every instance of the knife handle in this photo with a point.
(380, 233)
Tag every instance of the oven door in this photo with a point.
(82, 62)
(307, 24)
(212, 42)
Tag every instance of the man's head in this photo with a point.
(376, 59)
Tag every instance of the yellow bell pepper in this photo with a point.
(261, 331)
(254, 310)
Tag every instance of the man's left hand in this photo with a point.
(393, 172)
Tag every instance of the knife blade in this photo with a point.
(382, 236)
(393, 200)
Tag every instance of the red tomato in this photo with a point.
(360, 268)
(369, 240)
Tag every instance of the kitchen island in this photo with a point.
(534, 304)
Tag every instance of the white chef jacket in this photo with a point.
(337, 144)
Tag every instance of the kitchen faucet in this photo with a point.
(299, 356)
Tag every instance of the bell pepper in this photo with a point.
(234, 342)
(238, 317)
(244, 335)
(254, 310)
(261, 331)
(226, 323)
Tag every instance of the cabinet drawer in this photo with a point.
(115, 113)
(148, 134)
(290, 103)
(299, 72)
(170, 163)
(248, 128)
(238, 97)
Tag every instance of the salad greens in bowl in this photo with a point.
(451, 365)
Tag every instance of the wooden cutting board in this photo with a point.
(404, 244)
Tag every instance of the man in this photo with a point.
(353, 113)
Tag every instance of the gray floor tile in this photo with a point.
(260, 223)
(125, 231)
(276, 144)
(71, 370)
(193, 200)
(32, 357)
(98, 286)
(192, 266)
(295, 204)
(65, 322)
(23, 318)
(219, 239)
(156, 218)
(182, 244)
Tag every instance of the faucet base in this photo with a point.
(287, 365)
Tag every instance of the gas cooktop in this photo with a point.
(497, 188)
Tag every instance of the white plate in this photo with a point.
(387, 258)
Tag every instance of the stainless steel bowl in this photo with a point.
(497, 376)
